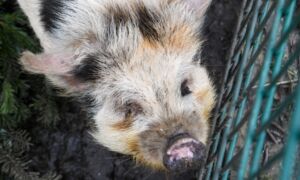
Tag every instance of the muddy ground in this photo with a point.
(69, 150)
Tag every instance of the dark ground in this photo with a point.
(70, 151)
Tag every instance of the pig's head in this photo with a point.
(150, 98)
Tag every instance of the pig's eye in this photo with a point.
(132, 109)
(185, 90)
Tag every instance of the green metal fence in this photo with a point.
(256, 128)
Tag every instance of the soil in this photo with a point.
(70, 151)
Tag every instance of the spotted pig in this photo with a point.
(135, 60)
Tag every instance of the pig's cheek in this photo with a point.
(116, 140)
(202, 131)
(123, 125)
(141, 159)
(125, 128)
(205, 99)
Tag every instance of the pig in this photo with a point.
(135, 59)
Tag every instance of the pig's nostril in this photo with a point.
(184, 154)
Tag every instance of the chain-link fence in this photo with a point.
(256, 128)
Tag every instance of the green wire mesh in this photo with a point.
(256, 129)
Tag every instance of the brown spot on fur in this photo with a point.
(180, 37)
(177, 38)
(147, 46)
(123, 125)
(133, 146)
(206, 97)
(201, 95)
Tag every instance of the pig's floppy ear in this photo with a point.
(56, 67)
(199, 6)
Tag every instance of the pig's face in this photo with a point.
(149, 107)
(151, 99)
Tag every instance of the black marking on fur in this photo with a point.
(144, 18)
(147, 20)
(88, 103)
(119, 17)
(129, 108)
(51, 13)
(88, 69)
(95, 66)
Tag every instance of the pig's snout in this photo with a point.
(184, 153)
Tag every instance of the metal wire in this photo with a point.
(247, 108)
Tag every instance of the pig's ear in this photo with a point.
(56, 67)
(199, 6)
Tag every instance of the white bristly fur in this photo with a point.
(151, 77)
